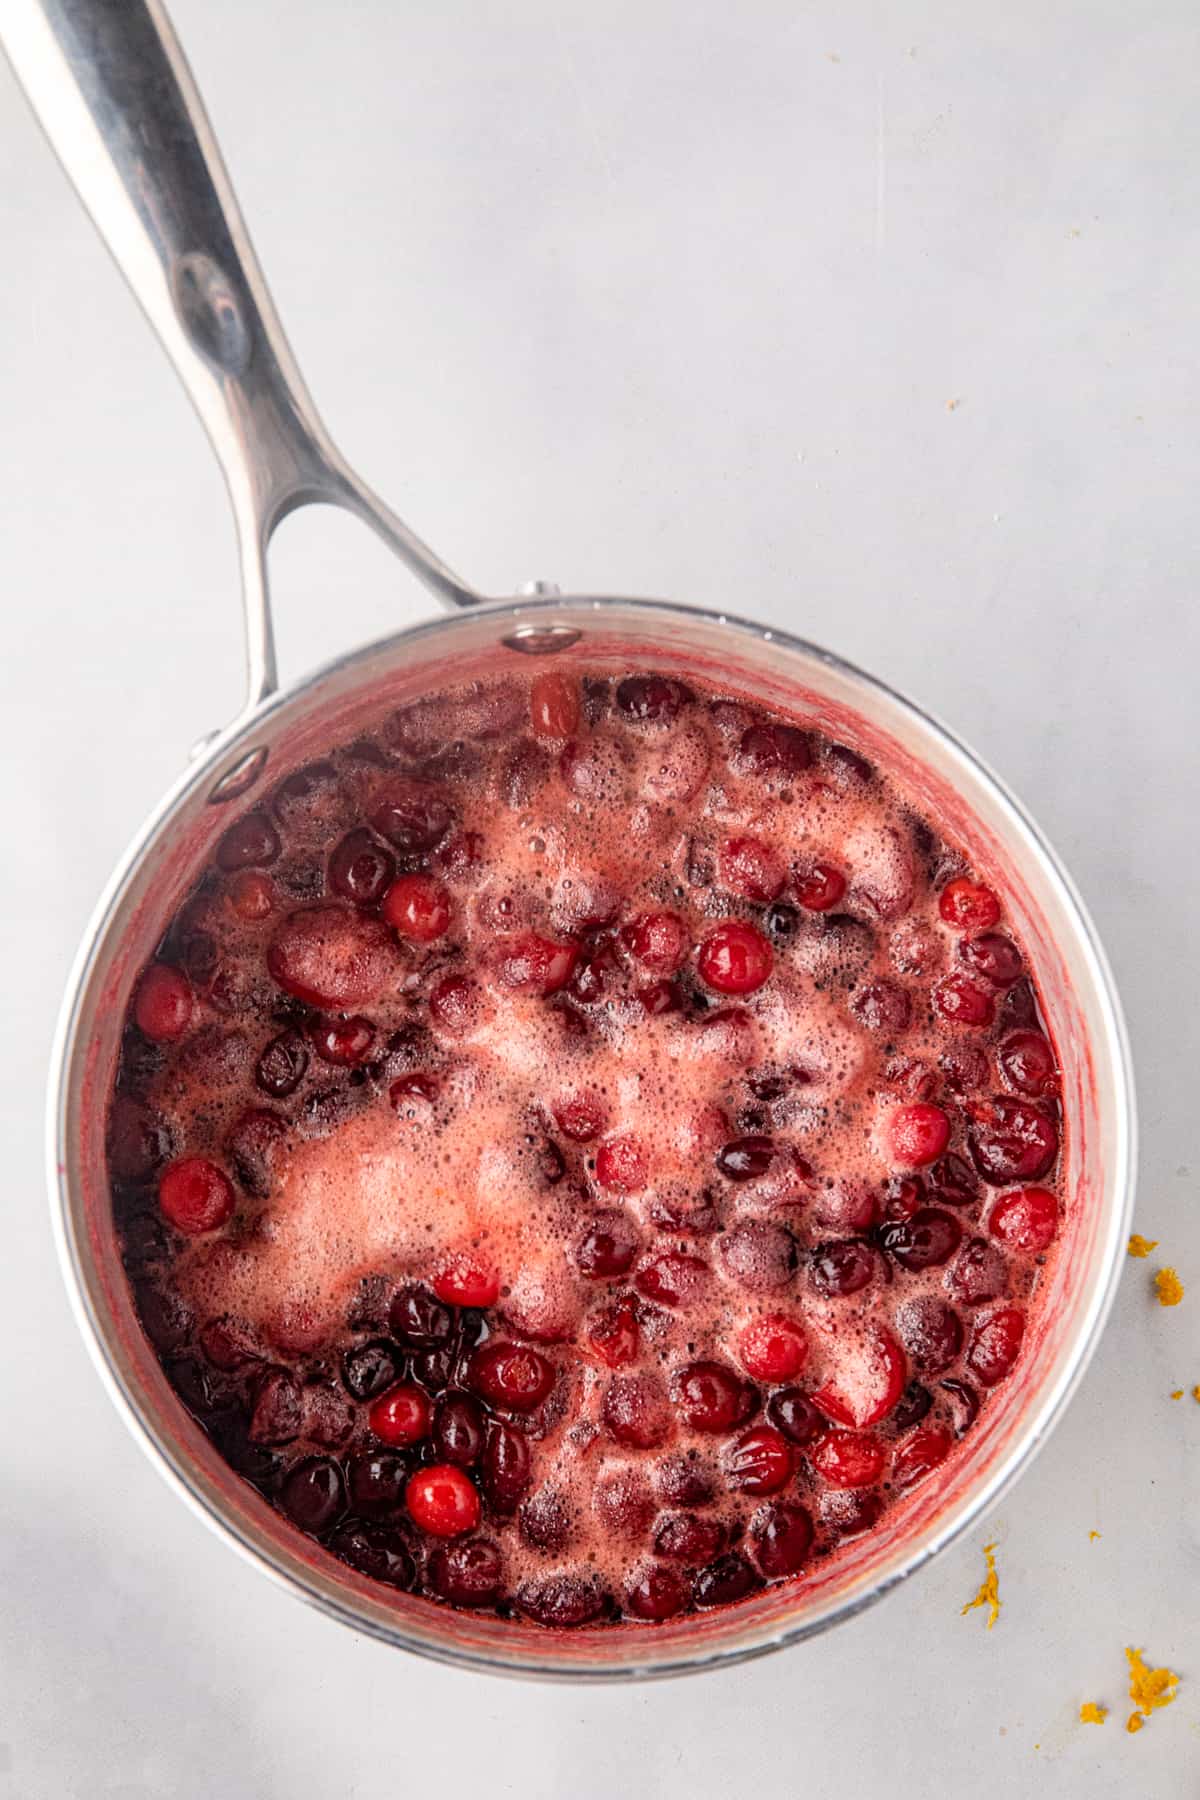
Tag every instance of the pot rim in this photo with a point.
(173, 1464)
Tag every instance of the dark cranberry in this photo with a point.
(657, 940)
(608, 1246)
(964, 1404)
(419, 1320)
(371, 1368)
(506, 1466)
(360, 869)
(470, 1573)
(282, 1065)
(459, 1429)
(545, 1521)
(848, 763)
(534, 964)
(191, 1382)
(251, 843)
(636, 1411)
(710, 1396)
(510, 1375)
(673, 1279)
(931, 1332)
(930, 1237)
(780, 922)
(781, 1536)
(902, 1195)
(953, 1181)
(376, 1482)
(139, 1142)
(561, 1600)
(883, 1006)
(682, 1537)
(412, 817)
(727, 1579)
(979, 1273)
(228, 1344)
(328, 1415)
(683, 1480)
(143, 1240)
(843, 1268)
(252, 1147)
(849, 1512)
(912, 1406)
(774, 749)
(965, 1068)
(198, 954)
(380, 1554)
(278, 1414)
(993, 956)
(746, 1158)
(1019, 1006)
(793, 1413)
(434, 1368)
(593, 973)
(1027, 1063)
(1011, 1141)
(759, 1255)
(656, 1593)
(650, 699)
(314, 1495)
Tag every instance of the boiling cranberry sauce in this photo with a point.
(587, 1149)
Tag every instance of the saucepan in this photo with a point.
(114, 93)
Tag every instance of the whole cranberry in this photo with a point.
(781, 1537)
(687, 1538)
(819, 887)
(442, 1501)
(924, 1450)
(459, 1429)
(343, 1042)
(773, 1348)
(554, 706)
(745, 1158)
(195, 1195)
(721, 1582)
(931, 1332)
(968, 905)
(469, 1573)
(162, 1006)
(761, 1461)
(506, 1466)
(1011, 1140)
(510, 1375)
(917, 1134)
(964, 1002)
(636, 1411)
(840, 1269)
(400, 1416)
(657, 1593)
(735, 958)
(419, 1319)
(773, 749)
(759, 1255)
(412, 816)
(608, 1246)
(992, 955)
(848, 1459)
(360, 869)
(418, 907)
(996, 1344)
(710, 1396)
(314, 1494)
(1027, 1064)
(930, 1237)
(657, 940)
(793, 1413)
(252, 842)
(751, 869)
(376, 1483)
(1025, 1220)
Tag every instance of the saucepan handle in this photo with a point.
(115, 96)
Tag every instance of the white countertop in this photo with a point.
(879, 322)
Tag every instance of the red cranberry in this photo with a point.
(195, 1196)
(996, 1344)
(369, 1369)
(1025, 1220)
(608, 1246)
(965, 1068)
(554, 706)
(917, 1134)
(412, 817)
(656, 1593)
(331, 957)
(773, 1348)
(419, 1320)
(282, 1065)
(848, 1459)
(922, 1453)
(953, 1182)
(581, 1118)
(314, 1494)
(1027, 1063)
(636, 1412)
(659, 997)
(510, 1375)
(682, 1537)
(343, 1042)
(465, 1281)
(360, 869)
(593, 973)
(561, 1601)
(401, 1416)
(867, 1384)
(506, 1466)
(413, 1096)
(746, 1158)
(418, 907)
(912, 1406)
(252, 895)
(781, 1537)
(251, 843)
(773, 749)
(793, 1413)
(376, 1483)
(162, 1006)
(882, 1006)
(963, 1002)
(457, 1006)
(819, 887)
(979, 1273)
(925, 1241)
(442, 1501)
(458, 1429)
(759, 1255)
(734, 958)
(536, 965)
(650, 699)
(710, 1396)
(470, 1573)
(720, 1583)
(840, 1269)
(994, 956)
(968, 906)
(1011, 1141)
(622, 1165)
(278, 1414)
(760, 1461)
(612, 1334)
(623, 1503)
(658, 940)
(751, 869)
(963, 1402)
(931, 1332)
(902, 1195)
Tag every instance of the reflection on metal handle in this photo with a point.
(114, 94)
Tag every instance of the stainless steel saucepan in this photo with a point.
(110, 85)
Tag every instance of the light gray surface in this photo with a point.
(646, 299)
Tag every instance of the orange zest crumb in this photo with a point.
(1140, 1246)
(989, 1589)
(1092, 1536)
(1196, 1393)
(1177, 1393)
(1168, 1287)
(1090, 1713)
(1148, 1689)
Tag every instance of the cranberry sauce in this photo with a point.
(586, 1150)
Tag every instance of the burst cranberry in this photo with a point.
(536, 965)
(253, 1147)
(650, 699)
(658, 940)
(924, 1241)
(510, 1375)
(370, 1368)
(1011, 1141)
(963, 1402)
(467, 1574)
(994, 956)
(622, 1165)
(710, 1396)
(612, 1334)
(636, 1411)
(759, 1255)
(506, 1466)
(968, 905)
(882, 1006)
(360, 869)
(793, 1413)
(411, 817)
(252, 843)
(608, 1246)
(840, 1269)
(554, 706)
(848, 1459)
(964, 1002)
(228, 1344)
(931, 1332)
(979, 1273)
(924, 1451)
(995, 1344)
(673, 1278)
(735, 958)
(820, 887)
(781, 1537)
(659, 997)
(1027, 1063)
(561, 1601)
(442, 1501)
(912, 1406)
(760, 1461)
(252, 895)
(656, 1593)
(314, 1494)
(774, 749)
(1025, 1220)
(745, 1159)
(457, 1006)
(751, 869)
(868, 1380)
(195, 1196)
(917, 1134)
(343, 1042)
(581, 1118)
(419, 1320)
(773, 1348)
(282, 1065)
(162, 1006)
(401, 1416)
(682, 1537)
(953, 1182)
(418, 907)
(413, 1096)
(331, 957)
(278, 1414)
